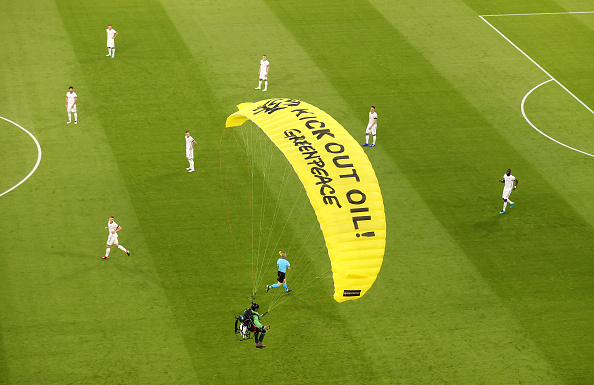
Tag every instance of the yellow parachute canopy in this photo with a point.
(339, 181)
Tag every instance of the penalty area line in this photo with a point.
(538, 13)
(533, 61)
(38, 156)
(539, 131)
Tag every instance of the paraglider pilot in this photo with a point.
(258, 329)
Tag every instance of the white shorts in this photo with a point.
(112, 239)
(371, 130)
(71, 108)
(263, 77)
(506, 193)
(190, 154)
(110, 43)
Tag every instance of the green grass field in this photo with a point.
(465, 296)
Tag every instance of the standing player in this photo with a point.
(371, 127)
(71, 99)
(190, 144)
(111, 35)
(509, 180)
(283, 265)
(112, 239)
(263, 73)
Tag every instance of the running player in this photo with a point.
(263, 73)
(112, 239)
(371, 127)
(71, 99)
(283, 265)
(111, 35)
(509, 180)
(190, 144)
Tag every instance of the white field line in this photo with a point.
(534, 62)
(38, 156)
(539, 131)
(536, 14)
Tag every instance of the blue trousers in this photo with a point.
(259, 336)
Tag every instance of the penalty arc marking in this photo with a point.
(539, 131)
(38, 157)
(551, 78)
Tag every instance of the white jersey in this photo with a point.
(113, 226)
(372, 117)
(110, 33)
(71, 96)
(189, 142)
(509, 181)
(264, 67)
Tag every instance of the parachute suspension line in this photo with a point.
(267, 168)
(300, 255)
(248, 140)
(287, 221)
(252, 228)
(226, 197)
(253, 144)
(313, 226)
(298, 223)
(301, 304)
(260, 157)
(309, 263)
(283, 298)
(300, 289)
(265, 257)
(282, 232)
(277, 300)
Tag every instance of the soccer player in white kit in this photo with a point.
(112, 239)
(371, 127)
(71, 99)
(509, 180)
(263, 73)
(111, 35)
(190, 144)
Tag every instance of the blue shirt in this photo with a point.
(282, 265)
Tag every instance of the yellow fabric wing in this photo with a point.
(340, 183)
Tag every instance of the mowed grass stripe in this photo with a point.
(557, 114)
(561, 44)
(71, 316)
(392, 277)
(217, 262)
(489, 61)
(161, 93)
(442, 134)
(18, 155)
(293, 74)
(529, 6)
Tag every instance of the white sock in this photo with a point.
(112, 52)
(75, 117)
(504, 205)
(259, 83)
(191, 164)
(69, 117)
(374, 139)
(108, 51)
(107, 252)
(510, 202)
(367, 139)
(122, 248)
(265, 84)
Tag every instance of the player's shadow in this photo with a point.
(489, 226)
